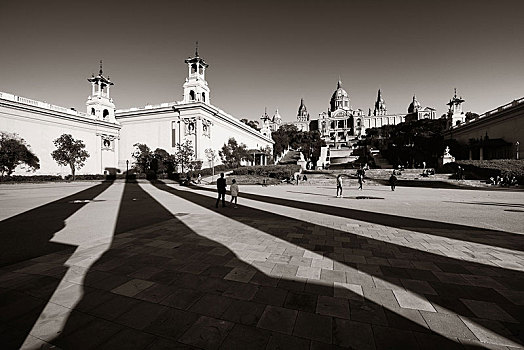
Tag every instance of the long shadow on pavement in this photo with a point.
(465, 288)
(161, 285)
(23, 296)
(490, 237)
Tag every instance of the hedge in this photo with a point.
(31, 178)
(484, 169)
(274, 171)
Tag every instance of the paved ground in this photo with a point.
(156, 266)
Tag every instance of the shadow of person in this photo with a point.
(453, 286)
(27, 285)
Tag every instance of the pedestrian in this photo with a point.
(339, 186)
(199, 179)
(304, 178)
(360, 175)
(234, 192)
(393, 181)
(221, 189)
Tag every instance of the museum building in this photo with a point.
(110, 134)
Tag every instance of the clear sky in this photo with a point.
(267, 53)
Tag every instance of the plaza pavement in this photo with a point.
(156, 266)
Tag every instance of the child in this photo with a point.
(234, 192)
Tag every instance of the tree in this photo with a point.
(283, 138)
(251, 123)
(143, 157)
(184, 154)
(232, 153)
(70, 152)
(14, 152)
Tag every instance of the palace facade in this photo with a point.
(109, 134)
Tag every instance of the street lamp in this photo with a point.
(127, 169)
(517, 144)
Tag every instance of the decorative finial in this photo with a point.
(100, 72)
(196, 49)
(455, 92)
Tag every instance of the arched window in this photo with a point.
(92, 111)
(192, 95)
(203, 97)
(105, 114)
(193, 68)
(358, 122)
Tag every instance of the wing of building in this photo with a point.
(109, 134)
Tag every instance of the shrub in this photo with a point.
(484, 169)
(274, 171)
(31, 178)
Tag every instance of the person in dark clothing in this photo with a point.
(221, 188)
(393, 181)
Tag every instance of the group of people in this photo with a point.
(361, 172)
(504, 181)
(222, 188)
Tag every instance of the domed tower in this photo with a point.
(195, 87)
(414, 106)
(339, 99)
(303, 115)
(99, 105)
(455, 114)
(380, 105)
(277, 121)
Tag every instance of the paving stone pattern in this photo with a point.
(253, 278)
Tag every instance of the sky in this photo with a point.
(267, 54)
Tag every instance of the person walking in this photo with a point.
(339, 186)
(221, 189)
(360, 175)
(393, 181)
(234, 192)
(199, 179)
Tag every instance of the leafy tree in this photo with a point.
(184, 154)
(251, 123)
(14, 152)
(232, 153)
(143, 157)
(70, 152)
(283, 138)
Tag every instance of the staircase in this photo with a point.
(291, 157)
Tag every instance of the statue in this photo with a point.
(447, 157)
(446, 152)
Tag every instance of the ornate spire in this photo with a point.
(339, 83)
(196, 49)
(100, 71)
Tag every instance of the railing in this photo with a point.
(133, 109)
(494, 111)
(40, 104)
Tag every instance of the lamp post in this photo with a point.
(517, 144)
(127, 169)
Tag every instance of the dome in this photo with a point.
(340, 98)
(414, 106)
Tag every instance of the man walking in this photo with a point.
(339, 185)
(221, 188)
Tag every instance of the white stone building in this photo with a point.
(110, 134)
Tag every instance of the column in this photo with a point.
(481, 153)
(198, 135)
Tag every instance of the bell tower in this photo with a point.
(99, 105)
(195, 87)
(455, 114)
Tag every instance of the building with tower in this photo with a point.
(110, 134)
(417, 112)
(302, 122)
(455, 115)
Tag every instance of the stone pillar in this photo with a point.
(198, 135)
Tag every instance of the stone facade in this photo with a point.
(110, 134)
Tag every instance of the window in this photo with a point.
(92, 111)
(193, 68)
(191, 95)
(203, 97)
(105, 114)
